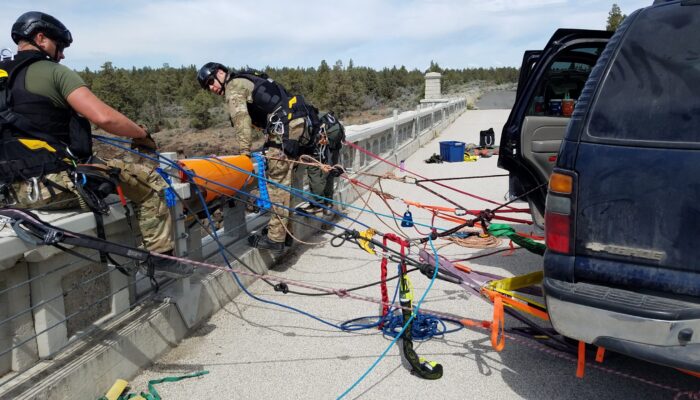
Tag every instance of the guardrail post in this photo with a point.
(49, 324)
(395, 129)
(234, 220)
(20, 328)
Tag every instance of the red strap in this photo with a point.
(511, 251)
(385, 292)
(600, 354)
(120, 192)
(581, 365)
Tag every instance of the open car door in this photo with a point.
(551, 82)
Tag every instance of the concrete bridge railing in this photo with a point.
(71, 326)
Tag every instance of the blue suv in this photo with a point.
(622, 267)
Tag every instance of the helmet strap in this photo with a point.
(227, 79)
(54, 57)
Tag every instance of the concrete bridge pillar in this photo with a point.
(433, 91)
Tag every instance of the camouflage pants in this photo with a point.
(281, 172)
(141, 184)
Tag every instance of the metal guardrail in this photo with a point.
(50, 299)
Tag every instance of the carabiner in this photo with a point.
(33, 189)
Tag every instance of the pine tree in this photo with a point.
(198, 109)
(615, 18)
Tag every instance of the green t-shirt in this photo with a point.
(52, 80)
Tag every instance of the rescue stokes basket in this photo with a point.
(452, 151)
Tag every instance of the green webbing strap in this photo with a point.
(152, 392)
(501, 230)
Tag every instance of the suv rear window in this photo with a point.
(564, 79)
(652, 91)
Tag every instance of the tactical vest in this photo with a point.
(267, 95)
(37, 137)
(271, 100)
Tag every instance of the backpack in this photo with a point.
(335, 131)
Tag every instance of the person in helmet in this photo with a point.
(255, 101)
(45, 110)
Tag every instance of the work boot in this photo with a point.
(171, 268)
(314, 209)
(264, 242)
(288, 239)
(329, 211)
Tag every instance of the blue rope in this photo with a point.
(192, 175)
(302, 193)
(413, 316)
(170, 198)
(425, 327)
(247, 292)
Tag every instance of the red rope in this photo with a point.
(369, 153)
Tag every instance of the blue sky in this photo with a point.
(375, 33)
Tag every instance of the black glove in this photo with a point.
(144, 144)
(290, 148)
(336, 171)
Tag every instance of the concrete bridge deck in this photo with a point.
(255, 350)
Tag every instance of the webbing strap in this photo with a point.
(385, 292)
(152, 392)
(518, 282)
(600, 354)
(31, 226)
(497, 326)
(507, 301)
(581, 362)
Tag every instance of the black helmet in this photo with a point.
(207, 71)
(32, 22)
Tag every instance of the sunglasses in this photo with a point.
(60, 46)
(209, 81)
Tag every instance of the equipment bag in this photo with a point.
(487, 138)
(335, 131)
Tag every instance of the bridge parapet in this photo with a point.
(54, 306)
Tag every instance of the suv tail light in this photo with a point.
(558, 213)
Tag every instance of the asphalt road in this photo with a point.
(257, 350)
(496, 100)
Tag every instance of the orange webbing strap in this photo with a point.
(470, 323)
(497, 325)
(450, 218)
(462, 268)
(428, 207)
(515, 304)
(581, 365)
(691, 373)
(600, 354)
